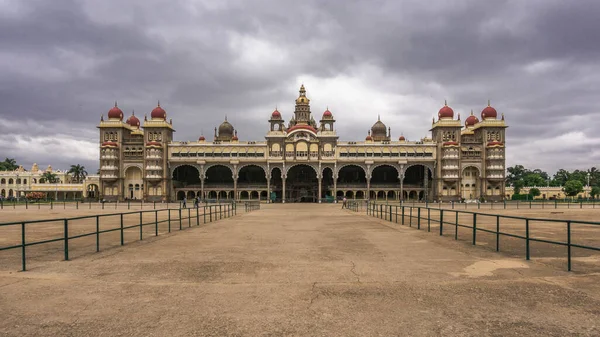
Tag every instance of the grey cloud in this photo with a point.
(69, 60)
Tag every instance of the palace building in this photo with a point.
(303, 160)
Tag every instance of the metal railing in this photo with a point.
(417, 216)
(78, 227)
(251, 206)
(506, 204)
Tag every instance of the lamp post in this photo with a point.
(588, 186)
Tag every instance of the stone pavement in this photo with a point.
(298, 270)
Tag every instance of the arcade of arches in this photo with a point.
(302, 183)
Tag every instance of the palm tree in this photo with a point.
(48, 177)
(78, 172)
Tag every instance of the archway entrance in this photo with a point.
(133, 183)
(276, 184)
(470, 183)
(301, 184)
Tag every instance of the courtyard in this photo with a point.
(298, 270)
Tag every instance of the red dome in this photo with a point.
(489, 112)
(471, 120)
(234, 138)
(369, 137)
(276, 114)
(201, 139)
(446, 112)
(158, 113)
(327, 113)
(133, 121)
(401, 138)
(115, 113)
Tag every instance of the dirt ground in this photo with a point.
(299, 270)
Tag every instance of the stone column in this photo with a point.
(401, 177)
(268, 188)
(202, 187)
(335, 188)
(369, 188)
(283, 178)
(319, 193)
(425, 182)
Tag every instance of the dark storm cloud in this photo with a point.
(63, 63)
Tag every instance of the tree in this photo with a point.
(573, 187)
(48, 177)
(515, 174)
(534, 192)
(533, 179)
(561, 177)
(595, 191)
(9, 164)
(517, 186)
(78, 172)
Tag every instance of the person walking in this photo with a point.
(184, 203)
(344, 201)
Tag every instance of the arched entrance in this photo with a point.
(133, 183)
(92, 191)
(276, 184)
(418, 178)
(186, 176)
(219, 176)
(301, 184)
(470, 183)
(327, 182)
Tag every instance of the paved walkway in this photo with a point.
(298, 270)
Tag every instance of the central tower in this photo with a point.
(302, 114)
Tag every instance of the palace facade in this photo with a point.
(303, 160)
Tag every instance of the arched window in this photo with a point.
(24, 181)
(11, 181)
(3, 181)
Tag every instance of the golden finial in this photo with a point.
(158, 103)
(488, 102)
(226, 118)
(102, 117)
(503, 116)
(445, 103)
(145, 117)
(133, 112)
(378, 117)
(471, 112)
(115, 104)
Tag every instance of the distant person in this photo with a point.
(344, 201)
(184, 203)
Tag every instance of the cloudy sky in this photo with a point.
(63, 63)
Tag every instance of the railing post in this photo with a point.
(441, 222)
(210, 212)
(220, 212)
(396, 214)
(23, 256)
(204, 213)
(402, 215)
(51, 204)
(155, 223)
(474, 229)
(77, 204)
(410, 217)
(189, 217)
(197, 217)
(141, 227)
(97, 233)
(504, 203)
(428, 219)
(122, 235)
(497, 233)
(66, 240)
(419, 218)
(569, 245)
(391, 213)
(169, 216)
(456, 226)
(180, 224)
(527, 256)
